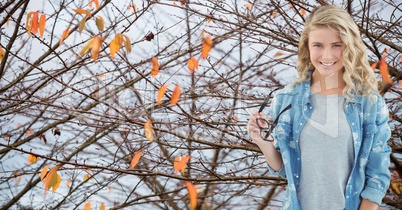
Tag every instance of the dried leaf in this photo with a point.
(206, 47)
(81, 25)
(384, 71)
(19, 179)
(155, 67)
(102, 206)
(29, 131)
(32, 159)
(42, 24)
(68, 183)
(161, 93)
(56, 131)
(100, 23)
(64, 35)
(127, 43)
(96, 45)
(400, 58)
(149, 132)
(52, 179)
(175, 95)
(87, 206)
(192, 63)
(192, 193)
(400, 85)
(149, 36)
(180, 164)
(83, 12)
(6, 138)
(57, 184)
(249, 6)
(135, 159)
(374, 65)
(44, 172)
(35, 22)
(97, 5)
(28, 23)
(302, 11)
(86, 47)
(273, 14)
(2, 52)
(277, 54)
(86, 177)
(115, 45)
(42, 137)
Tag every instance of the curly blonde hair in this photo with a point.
(358, 75)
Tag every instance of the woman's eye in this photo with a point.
(317, 45)
(337, 45)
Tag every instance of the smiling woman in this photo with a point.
(325, 149)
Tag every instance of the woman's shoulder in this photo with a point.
(292, 89)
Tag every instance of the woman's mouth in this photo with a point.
(326, 64)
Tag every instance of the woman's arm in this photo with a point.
(368, 205)
(272, 156)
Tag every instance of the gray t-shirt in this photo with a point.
(326, 147)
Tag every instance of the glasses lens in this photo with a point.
(262, 123)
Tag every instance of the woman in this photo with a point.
(331, 145)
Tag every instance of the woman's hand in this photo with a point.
(253, 129)
(272, 156)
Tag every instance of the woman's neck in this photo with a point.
(327, 85)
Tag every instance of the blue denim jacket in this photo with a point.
(368, 119)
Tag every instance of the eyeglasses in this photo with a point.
(263, 124)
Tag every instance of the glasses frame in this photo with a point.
(268, 130)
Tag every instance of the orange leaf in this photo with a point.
(96, 45)
(249, 6)
(42, 24)
(35, 22)
(28, 23)
(19, 179)
(52, 179)
(68, 183)
(384, 71)
(44, 172)
(135, 159)
(192, 63)
(206, 47)
(32, 159)
(192, 193)
(115, 45)
(303, 11)
(273, 14)
(155, 67)
(6, 138)
(279, 53)
(2, 52)
(400, 58)
(102, 206)
(400, 83)
(180, 164)
(149, 130)
(374, 65)
(175, 95)
(64, 35)
(87, 206)
(82, 11)
(161, 92)
(97, 5)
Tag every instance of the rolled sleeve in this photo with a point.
(377, 170)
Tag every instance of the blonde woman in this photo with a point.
(330, 130)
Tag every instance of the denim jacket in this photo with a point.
(368, 119)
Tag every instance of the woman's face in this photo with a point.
(326, 48)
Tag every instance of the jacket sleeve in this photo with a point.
(377, 171)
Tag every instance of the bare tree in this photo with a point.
(66, 100)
